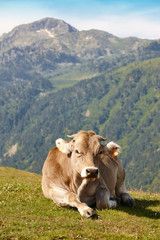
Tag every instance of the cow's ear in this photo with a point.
(63, 146)
(114, 148)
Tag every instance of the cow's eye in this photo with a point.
(100, 151)
(77, 151)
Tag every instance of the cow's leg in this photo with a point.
(121, 191)
(103, 200)
(63, 197)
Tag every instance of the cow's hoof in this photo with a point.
(112, 204)
(128, 200)
(118, 201)
(87, 212)
(131, 202)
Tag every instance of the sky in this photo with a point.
(122, 18)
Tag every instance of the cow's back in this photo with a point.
(51, 162)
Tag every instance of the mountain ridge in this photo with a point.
(58, 28)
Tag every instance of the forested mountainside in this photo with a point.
(56, 80)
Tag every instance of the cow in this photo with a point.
(84, 172)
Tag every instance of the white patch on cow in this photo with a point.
(112, 204)
(84, 171)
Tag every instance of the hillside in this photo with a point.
(56, 80)
(124, 111)
(26, 214)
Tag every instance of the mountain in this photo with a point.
(56, 80)
(55, 50)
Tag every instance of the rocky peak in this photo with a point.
(52, 24)
(26, 34)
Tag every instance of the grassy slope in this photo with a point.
(26, 214)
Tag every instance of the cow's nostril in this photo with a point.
(88, 170)
(97, 171)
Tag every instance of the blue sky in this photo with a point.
(123, 18)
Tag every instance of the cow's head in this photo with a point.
(83, 150)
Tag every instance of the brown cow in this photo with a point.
(84, 172)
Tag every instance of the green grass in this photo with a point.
(26, 214)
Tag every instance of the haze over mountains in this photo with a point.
(56, 80)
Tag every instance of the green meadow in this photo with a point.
(26, 214)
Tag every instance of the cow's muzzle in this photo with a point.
(90, 173)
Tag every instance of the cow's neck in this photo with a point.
(77, 181)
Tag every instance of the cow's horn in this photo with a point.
(100, 138)
(71, 136)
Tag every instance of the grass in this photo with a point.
(26, 214)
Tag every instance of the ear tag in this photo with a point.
(116, 153)
(61, 149)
